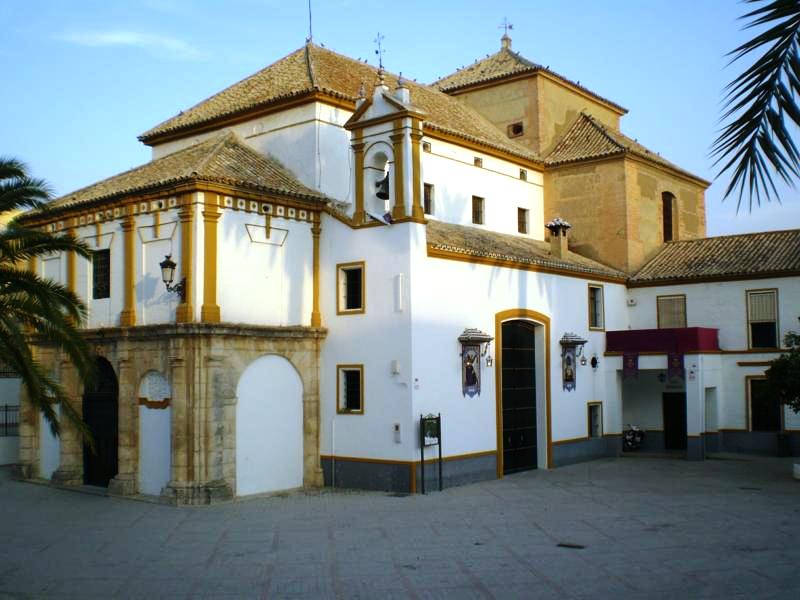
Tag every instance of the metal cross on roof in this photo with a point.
(505, 26)
(380, 50)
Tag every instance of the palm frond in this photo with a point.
(761, 104)
(12, 168)
(18, 243)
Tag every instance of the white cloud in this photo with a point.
(157, 45)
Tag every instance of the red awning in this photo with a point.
(679, 340)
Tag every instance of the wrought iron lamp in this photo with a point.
(168, 276)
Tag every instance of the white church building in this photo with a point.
(351, 251)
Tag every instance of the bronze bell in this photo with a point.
(382, 186)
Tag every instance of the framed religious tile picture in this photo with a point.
(471, 370)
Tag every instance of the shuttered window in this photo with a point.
(477, 210)
(762, 318)
(350, 281)
(596, 310)
(350, 394)
(671, 311)
(101, 274)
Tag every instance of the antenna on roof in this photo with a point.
(310, 33)
(505, 41)
(380, 50)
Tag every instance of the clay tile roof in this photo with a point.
(587, 139)
(314, 69)
(221, 159)
(479, 243)
(730, 256)
(502, 64)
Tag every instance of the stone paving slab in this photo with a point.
(650, 528)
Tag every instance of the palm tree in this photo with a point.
(33, 307)
(761, 105)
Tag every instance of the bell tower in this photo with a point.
(386, 131)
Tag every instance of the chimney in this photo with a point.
(402, 93)
(558, 237)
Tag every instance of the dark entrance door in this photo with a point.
(518, 397)
(100, 401)
(674, 420)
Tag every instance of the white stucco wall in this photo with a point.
(450, 169)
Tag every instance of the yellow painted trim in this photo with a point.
(360, 216)
(417, 211)
(127, 317)
(602, 305)
(71, 267)
(339, 369)
(185, 311)
(156, 222)
(398, 147)
(543, 321)
(343, 267)
(316, 313)
(210, 311)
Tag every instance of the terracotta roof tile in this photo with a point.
(750, 254)
(220, 159)
(587, 139)
(480, 243)
(315, 69)
(505, 63)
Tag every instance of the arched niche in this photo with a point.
(154, 396)
(379, 161)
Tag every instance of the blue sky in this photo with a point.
(82, 79)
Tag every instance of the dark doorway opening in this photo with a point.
(765, 410)
(100, 408)
(674, 404)
(519, 396)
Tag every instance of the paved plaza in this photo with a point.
(630, 528)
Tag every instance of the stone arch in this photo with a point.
(154, 432)
(100, 413)
(542, 349)
(270, 430)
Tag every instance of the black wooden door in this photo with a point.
(674, 420)
(100, 402)
(518, 397)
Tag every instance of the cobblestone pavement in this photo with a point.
(649, 528)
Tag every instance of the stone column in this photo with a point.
(70, 470)
(360, 215)
(126, 481)
(399, 208)
(28, 438)
(307, 363)
(417, 211)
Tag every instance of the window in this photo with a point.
(671, 311)
(101, 274)
(523, 174)
(595, 419)
(762, 318)
(596, 309)
(426, 146)
(427, 199)
(667, 201)
(350, 390)
(477, 210)
(477, 161)
(522, 220)
(515, 130)
(350, 283)
(765, 410)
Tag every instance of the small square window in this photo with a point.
(427, 199)
(350, 283)
(523, 174)
(762, 318)
(515, 129)
(477, 210)
(426, 146)
(101, 274)
(595, 419)
(671, 311)
(350, 390)
(522, 220)
(596, 310)
(477, 161)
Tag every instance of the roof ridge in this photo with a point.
(310, 67)
(733, 235)
(220, 141)
(604, 131)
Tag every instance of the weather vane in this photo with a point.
(506, 26)
(379, 41)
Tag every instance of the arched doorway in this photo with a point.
(100, 408)
(269, 427)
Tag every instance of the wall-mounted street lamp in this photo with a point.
(168, 276)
